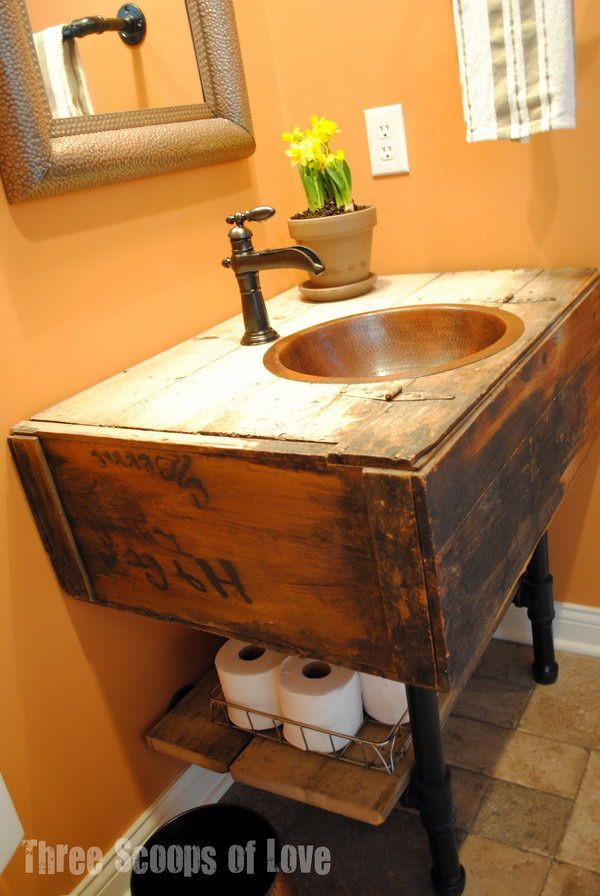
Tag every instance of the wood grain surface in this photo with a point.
(188, 733)
(279, 556)
(384, 535)
(364, 794)
(361, 793)
(52, 523)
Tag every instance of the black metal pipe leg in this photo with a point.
(430, 791)
(537, 594)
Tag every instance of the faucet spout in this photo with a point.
(300, 257)
(247, 263)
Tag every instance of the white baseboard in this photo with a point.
(576, 628)
(195, 787)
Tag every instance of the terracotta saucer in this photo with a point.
(336, 293)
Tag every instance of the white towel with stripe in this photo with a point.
(62, 73)
(517, 66)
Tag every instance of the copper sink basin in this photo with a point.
(397, 343)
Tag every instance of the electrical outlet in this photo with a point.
(387, 140)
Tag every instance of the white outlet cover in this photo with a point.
(11, 829)
(387, 140)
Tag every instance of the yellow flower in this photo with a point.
(294, 153)
(333, 157)
(323, 128)
(316, 151)
(307, 151)
(294, 137)
(324, 173)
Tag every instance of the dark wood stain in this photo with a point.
(387, 537)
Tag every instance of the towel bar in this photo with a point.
(130, 23)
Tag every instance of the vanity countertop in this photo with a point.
(322, 519)
(212, 386)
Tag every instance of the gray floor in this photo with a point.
(526, 772)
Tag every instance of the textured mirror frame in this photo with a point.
(42, 156)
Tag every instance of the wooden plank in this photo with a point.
(192, 402)
(457, 475)
(252, 401)
(237, 395)
(49, 515)
(316, 412)
(479, 566)
(210, 385)
(360, 793)
(364, 794)
(277, 768)
(402, 583)
(402, 434)
(209, 372)
(320, 412)
(106, 401)
(231, 398)
(286, 454)
(554, 285)
(227, 400)
(279, 556)
(187, 732)
(572, 422)
(109, 401)
(474, 287)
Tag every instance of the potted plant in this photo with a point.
(337, 229)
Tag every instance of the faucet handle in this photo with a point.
(260, 213)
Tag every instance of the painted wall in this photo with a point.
(488, 205)
(78, 684)
(90, 283)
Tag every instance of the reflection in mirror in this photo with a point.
(100, 73)
(41, 155)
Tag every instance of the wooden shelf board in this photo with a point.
(351, 790)
(187, 733)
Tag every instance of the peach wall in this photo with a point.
(78, 684)
(89, 284)
(161, 71)
(487, 205)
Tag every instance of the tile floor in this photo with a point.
(526, 773)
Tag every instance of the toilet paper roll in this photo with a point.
(319, 694)
(384, 700)
(248, 676)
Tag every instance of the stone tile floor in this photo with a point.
(526, 774)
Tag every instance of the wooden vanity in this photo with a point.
(324, 519)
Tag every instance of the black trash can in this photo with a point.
(216, 849)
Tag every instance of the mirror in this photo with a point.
(160, 71)
(175, 99)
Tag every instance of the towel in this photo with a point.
(517, 66)
(62, 74)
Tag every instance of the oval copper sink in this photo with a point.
(398, 343)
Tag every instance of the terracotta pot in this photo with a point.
(342, 241)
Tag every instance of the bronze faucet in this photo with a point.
(246, 263)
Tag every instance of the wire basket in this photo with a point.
(375, 746)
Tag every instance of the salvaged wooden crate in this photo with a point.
(321, 519)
